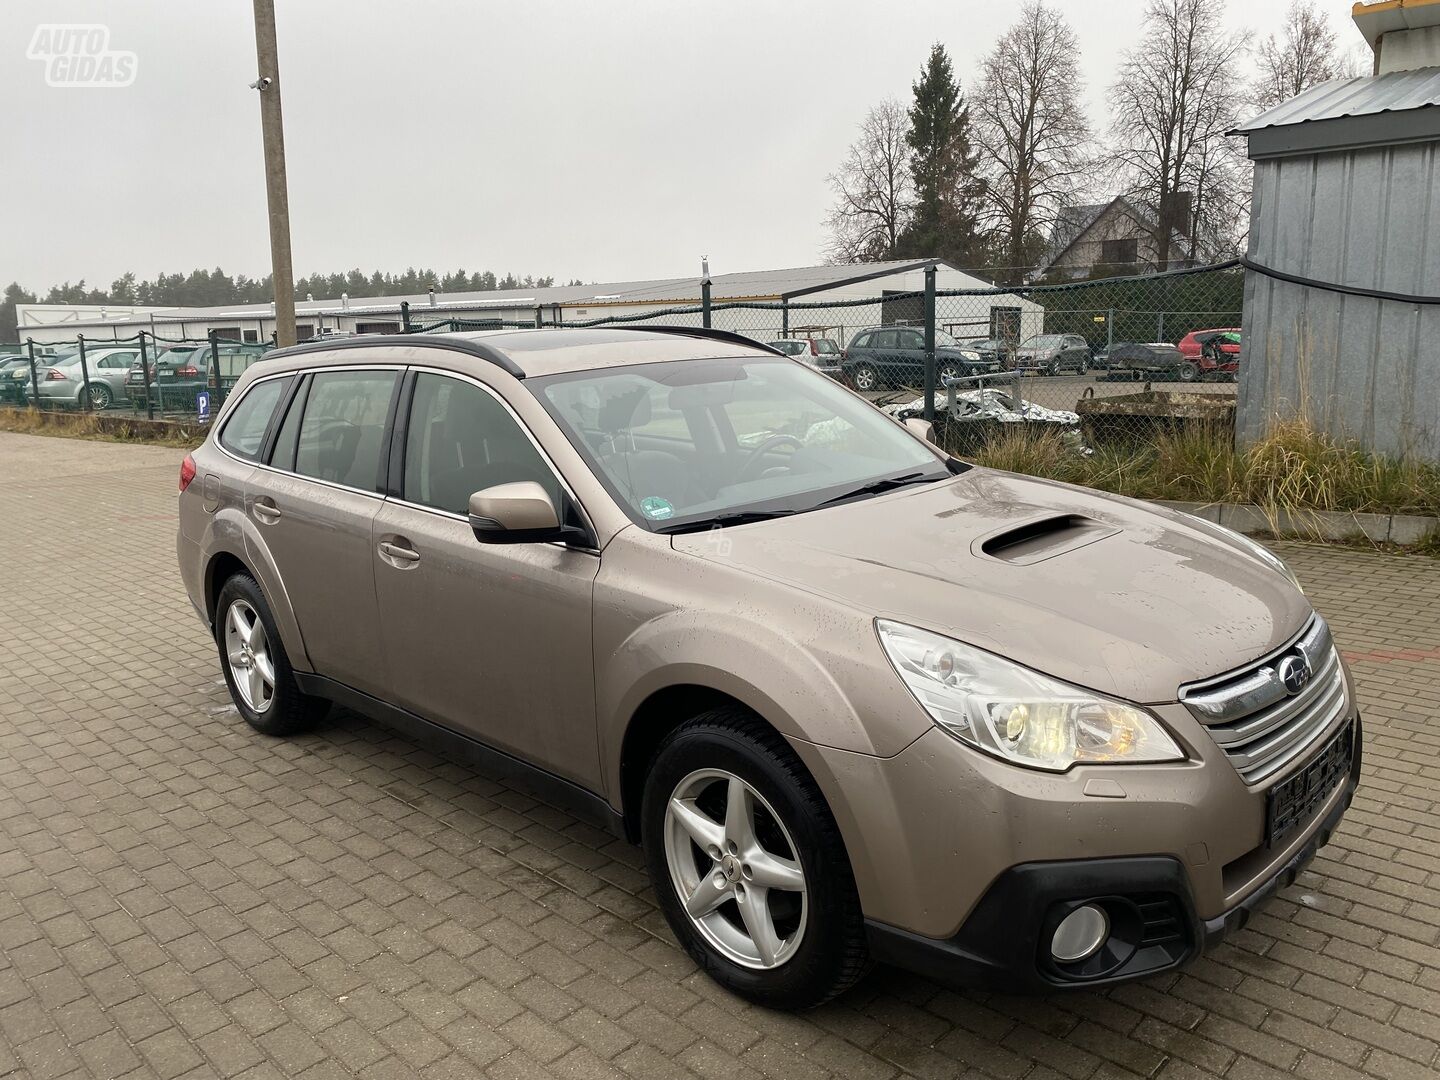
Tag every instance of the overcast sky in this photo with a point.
(604, 141)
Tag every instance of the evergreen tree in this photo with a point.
(948, 192)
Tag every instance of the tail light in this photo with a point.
(54, 375)
(814, 347)
(187, 370)
(187, 472)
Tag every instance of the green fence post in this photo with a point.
(405, 316)
(784, 317)
(84, 374)
(34, 378)
(214, 373)
(705, 303)
(930, 342)
(145, 376)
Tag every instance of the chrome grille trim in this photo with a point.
(1253, 718)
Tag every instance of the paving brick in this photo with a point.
(181, 898)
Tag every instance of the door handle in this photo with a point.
(265, 511)
(399, 556)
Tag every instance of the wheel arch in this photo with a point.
(233, 556)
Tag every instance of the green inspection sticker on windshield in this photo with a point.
(656, 508)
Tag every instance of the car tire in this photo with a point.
(866, 378)
(805, 945)
(1187, 372)
(100, 397)
(1054, 368)
(950, 371)
(273, 705)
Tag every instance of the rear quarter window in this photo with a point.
(244, 431)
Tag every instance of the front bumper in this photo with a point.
(1003, 944)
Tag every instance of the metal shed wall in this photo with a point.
(1354, 366)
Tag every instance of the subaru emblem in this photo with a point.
(1295, 673)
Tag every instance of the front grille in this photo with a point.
(1257, 721)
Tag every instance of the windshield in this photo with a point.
(178, 356)
(945, 341)
(825, 347)
(686, 442)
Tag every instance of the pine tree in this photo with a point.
(942, 165)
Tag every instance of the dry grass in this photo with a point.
(1294, 469)
(100, 428)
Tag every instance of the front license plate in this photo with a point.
(1293, 802)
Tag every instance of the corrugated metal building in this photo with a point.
(1347, 198)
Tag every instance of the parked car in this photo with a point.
(991, 350)
(183, 371)
(1050, 354)
(823, 354)
(895, 356)
(1153, 358)
(62, 383)
(1192, 344)
(14, 379)
(1219, 358)
(902, 708)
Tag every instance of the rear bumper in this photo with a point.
(1003, 945)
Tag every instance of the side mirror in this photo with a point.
(923, 428)
(518, 513)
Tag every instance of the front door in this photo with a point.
(313, 510)
(491, 640)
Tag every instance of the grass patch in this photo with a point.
(100, 427)
(1293, 469)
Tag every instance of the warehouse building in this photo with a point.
(814, 300)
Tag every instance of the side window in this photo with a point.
(343, 429)
(885, 339)
(460, 439)
(909, 339)
(245, 429)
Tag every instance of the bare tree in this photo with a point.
(1031, 129)
(1177, 94)
(874, 193)
(1304, 56)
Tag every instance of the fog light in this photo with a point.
(1080, 934)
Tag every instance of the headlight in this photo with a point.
(1018, 714)
(1261, 552)
(969, 354)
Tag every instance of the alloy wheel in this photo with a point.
(865, 378)
(247, 653)
(100, 397)
(735, 869)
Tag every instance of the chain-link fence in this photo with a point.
(147, 375)
(1107, 363)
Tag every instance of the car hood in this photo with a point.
(1104, 592)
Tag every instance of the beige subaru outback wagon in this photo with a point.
(860, 701)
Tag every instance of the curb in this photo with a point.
(1403, 529)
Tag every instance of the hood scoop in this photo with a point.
(1042, 538)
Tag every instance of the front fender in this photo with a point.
(809, 666)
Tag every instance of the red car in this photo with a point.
(1215, 352)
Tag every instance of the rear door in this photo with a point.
(312, 508)
(492, 640)
(910, 357)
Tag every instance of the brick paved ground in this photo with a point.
(180, 897)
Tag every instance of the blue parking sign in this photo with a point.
(202, 406)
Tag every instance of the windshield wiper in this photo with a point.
(730, 517)
(884, 484)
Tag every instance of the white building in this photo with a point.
(821, 301)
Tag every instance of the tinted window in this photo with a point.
(245, 430)
(343, 429)
(826, 347)
(911, 340)
(461, 440)
(883, 340)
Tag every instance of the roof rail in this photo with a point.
(437, 341)
(700, 332)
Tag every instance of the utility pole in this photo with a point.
(273, 128)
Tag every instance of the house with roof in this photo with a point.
(1118, 237)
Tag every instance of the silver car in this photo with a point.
(64, 384)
